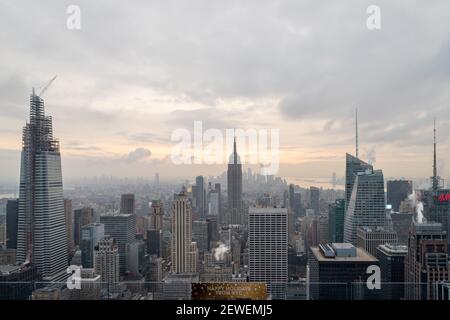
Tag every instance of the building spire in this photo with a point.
(356, 137)
(234, 149)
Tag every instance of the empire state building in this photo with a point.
(234, 186)
(41, 223)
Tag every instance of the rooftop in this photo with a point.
(8, 269)
(360, 256)
(393, 249)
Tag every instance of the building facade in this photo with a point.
(267, 249)
(366, 207)
(41, 237)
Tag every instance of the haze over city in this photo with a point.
(133, 74)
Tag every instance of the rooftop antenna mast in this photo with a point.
(356, 128)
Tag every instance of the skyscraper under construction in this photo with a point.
(41, 224)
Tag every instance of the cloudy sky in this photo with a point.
(137, 71)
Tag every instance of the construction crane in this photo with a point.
(47, 86)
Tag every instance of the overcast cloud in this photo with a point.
(137, 70)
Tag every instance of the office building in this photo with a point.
(267, 249)
(370, 238)
(68, 213)
(215, 201)
(401, 222)
(179, 286)
(12, 216)
(200, 235)
(127, 203)
(234, 186)
(7, 256)
(154, 242)
(392, 267)
(41, 237)
(121, 227)
(82, 217)
(436, 208)
(397, 191)
(426, 263)
(199, 195)
(436, 200)
(338, 271)
(136, 254)
(17, 281)
(156, 215)
(366, 207)
(314, 194)
(106, 261)
(91, 234)
(182, 235)
(336, 213)
(353, 166)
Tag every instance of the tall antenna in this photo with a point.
(356, 128)
(435, 178)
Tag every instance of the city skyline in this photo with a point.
(209, 158)
(310, 69)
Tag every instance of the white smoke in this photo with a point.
(419, 212)
(417, 204)
(219, 252)
(371, 156)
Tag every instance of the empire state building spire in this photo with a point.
(234, 187)
(234, 150)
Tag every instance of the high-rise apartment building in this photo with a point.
(41, 235)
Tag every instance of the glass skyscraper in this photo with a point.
(41, 224)
(366, 207)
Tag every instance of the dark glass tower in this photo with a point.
(41, 236)
(12, 212)
(234, 181)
